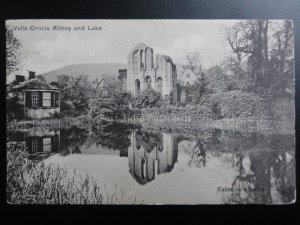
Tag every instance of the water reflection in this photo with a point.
(150, 154)
(39, 142)
(112, 136)
(260, 168)
(263, 177)
(72, 139)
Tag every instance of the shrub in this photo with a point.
(148, 99)
(112, 102)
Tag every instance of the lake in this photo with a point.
(157, 166)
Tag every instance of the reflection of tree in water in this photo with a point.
(198, 155)
(256, 172)
(284, 174)
(265, 164)
(114, 136)
(207, 140)
(72, 139)
(148, 140)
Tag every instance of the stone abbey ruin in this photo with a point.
(143, 72)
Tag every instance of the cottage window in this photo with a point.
(35, 145)
(47, 144)
(55, 100)
(35, 99)
(46, 98)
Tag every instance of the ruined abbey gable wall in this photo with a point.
(143, 72)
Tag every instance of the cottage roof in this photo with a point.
(34, 84)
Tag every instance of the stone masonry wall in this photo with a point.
(142, 71)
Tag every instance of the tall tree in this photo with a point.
(13, 52)
(282, 59)
(267, 51)
(196, 91)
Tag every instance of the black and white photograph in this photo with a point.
(150, 112)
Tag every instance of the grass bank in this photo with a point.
(30, 182)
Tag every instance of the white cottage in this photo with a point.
(40, 99)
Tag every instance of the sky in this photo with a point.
(46, 50)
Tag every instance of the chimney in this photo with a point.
(31, 75)
(20, 78)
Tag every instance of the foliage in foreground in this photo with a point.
(31, 182)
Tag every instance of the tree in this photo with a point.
(250, 38)
(14, 104)
(238, 43)
(41, 77)
(268, 48)
(148, 99)
(194, 63)
(13, 52)
(196, 91)
(75, 94)
(112, 102)
(282, 60)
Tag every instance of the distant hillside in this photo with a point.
(92, 70)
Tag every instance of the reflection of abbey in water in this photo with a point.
(151, 154)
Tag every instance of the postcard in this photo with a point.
(150, 112)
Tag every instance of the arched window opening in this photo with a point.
(142, 61)
(144, 169)
(137, 87)
(159, 85)
(147, 82)
(149, 58)
(135, 62)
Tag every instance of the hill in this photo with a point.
(92, 70)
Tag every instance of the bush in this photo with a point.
(14, 105)
(112, 102)
(148, 99)
(75, 94)
(235, 104)
(238, 104)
